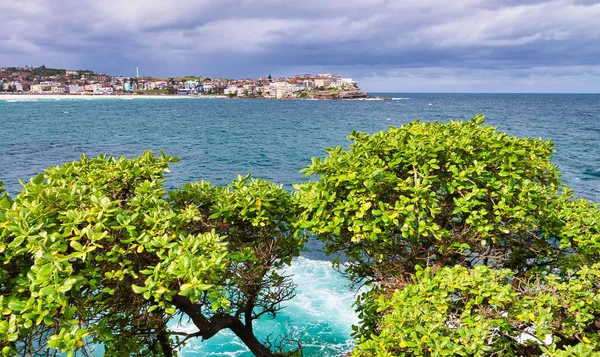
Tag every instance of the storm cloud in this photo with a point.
(470, 45)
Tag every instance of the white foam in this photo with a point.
(320, 316)
(400, 98)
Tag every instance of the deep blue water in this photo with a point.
(217, 139)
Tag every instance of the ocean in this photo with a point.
(218, 139)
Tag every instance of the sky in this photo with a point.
(385, 45)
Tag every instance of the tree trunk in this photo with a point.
(165, 346)
(245, 334)
(210, 327)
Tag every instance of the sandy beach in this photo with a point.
(30, 97)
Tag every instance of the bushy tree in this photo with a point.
(485, 312)
(94, 252)
(441, 195)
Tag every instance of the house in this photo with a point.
(345, 83)
(149, 85)
(60, 89)
(91, 88)
(279, 89)
(160, 84)
(309, 83)
(37, 88)
(231, 90)
(191, 85)
(75, 89)
(18, 86)
(71, 73)
(208, 87)
(298, 87)
(322, 82)
(103, 90)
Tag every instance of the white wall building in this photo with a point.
(103, 90)
(231, 90)
(74, 89)
(18, 86)
(36, 88)
(57, 89)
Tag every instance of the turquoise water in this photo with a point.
(217, 139)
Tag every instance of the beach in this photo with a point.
(28, 97)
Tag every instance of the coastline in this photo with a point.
(33, 97)
(30, 97)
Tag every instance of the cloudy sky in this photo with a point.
(386, 45)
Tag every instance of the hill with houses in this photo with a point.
(42, 80)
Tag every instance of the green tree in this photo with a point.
(171, 89)
(485, 312)
(440, 195)
(94, 252)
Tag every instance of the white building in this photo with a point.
(58, 89)
(280, 89)
(36, 88)
(18, 86)
(149, 85)
(298, 87)
(74, 89)
(103, 90)
(231, 90)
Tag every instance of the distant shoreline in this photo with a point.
(27, 96)
(30, 97)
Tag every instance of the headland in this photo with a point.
(49, 83)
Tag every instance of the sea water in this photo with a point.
(217, 139)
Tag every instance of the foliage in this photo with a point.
(153, 92)
(46, 72)
(477, 312)
(439, 195)
(2, 191)
(431, 193)
(93, 252)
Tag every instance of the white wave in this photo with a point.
(320, 316)
(400, 98)
(19, 100)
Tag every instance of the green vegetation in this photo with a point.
(153, 91)
(466, 236)
(485, 312)
(47, 72)
(441, 195)
(93, 252)
(190, 78)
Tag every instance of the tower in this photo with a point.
(137, 72)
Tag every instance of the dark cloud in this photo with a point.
(381, 43)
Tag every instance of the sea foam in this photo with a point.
(320, 316)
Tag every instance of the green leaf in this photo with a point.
(38, 179)
(138, 289)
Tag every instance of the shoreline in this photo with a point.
(32, 97)
(29, 97)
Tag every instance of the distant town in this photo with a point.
(42, 80)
